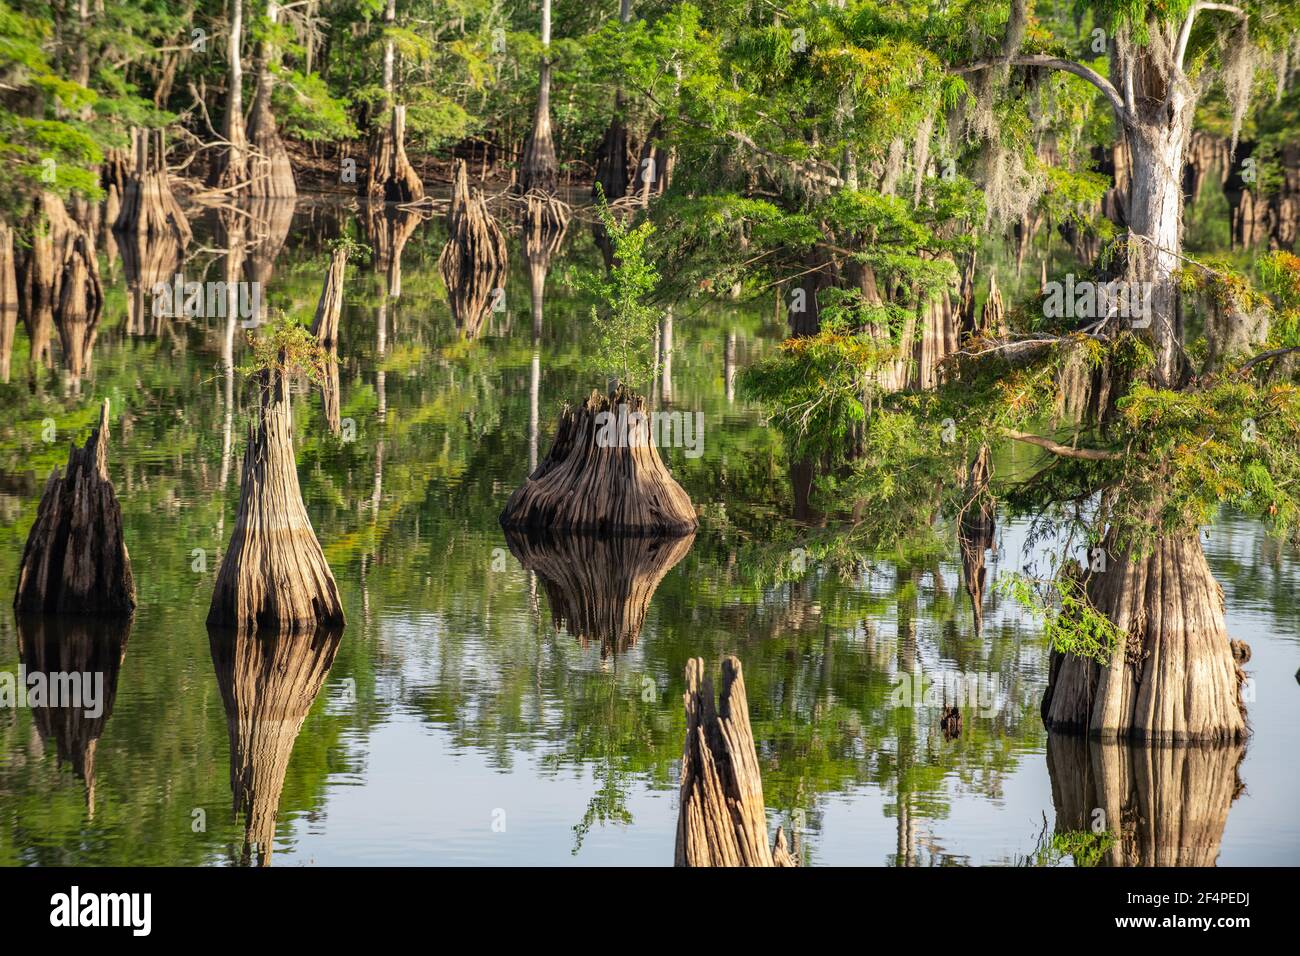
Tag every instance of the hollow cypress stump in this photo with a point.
(75, 560)
(149, 211)
(274, 575)
(603, 474)
(391, 176)
(722, 819)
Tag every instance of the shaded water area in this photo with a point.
(498, 700)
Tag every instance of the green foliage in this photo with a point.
(1070, 623)
(288, 348)
(626, 324)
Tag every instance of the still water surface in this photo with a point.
(454, 722)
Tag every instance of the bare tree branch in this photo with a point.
(1064, 451)
(1056, 63)
(1185, 34)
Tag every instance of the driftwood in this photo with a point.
(274, 575)
(722, 819)
(8, 298)
(603, 474)
(473, 262)
(390, 176)
(268, 684)
(325, 326)
(1164, 806)
(76, 561)
(75, 645)
(599, 588)
(1173, 677)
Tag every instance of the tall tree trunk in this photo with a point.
(538, 168)
(269, 166)
(231, 166)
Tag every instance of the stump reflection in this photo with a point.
(599, 588)
(268, 682)
(65, 645)
(1163, 805)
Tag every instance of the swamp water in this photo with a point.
(454, 722)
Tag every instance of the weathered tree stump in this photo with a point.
(81, 300)
(325, 326)
(1173, 677)
(604, 475)
(268, 684)
(599, 588)
(722, 819)
(390, 176)
(8, 298)
(75, 645)
(1165, 806)
(149, 212)
(474, 261)
(274, 575)
(40, 272)
(76, 561)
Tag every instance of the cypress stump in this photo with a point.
(1173, 677)
(391, 176)
(603, 475)
(325, 326)
(473, 262)
(149, 212)
(274, 575)
(722, 819)
(76, 561)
